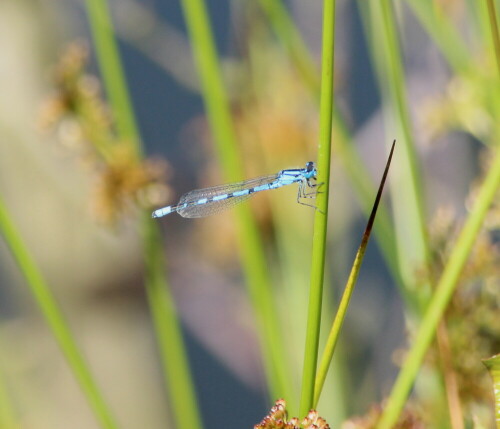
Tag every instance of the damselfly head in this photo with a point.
(311, 169)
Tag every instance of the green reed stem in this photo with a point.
(321, 216)
(441, 297)
(252, 255)
(169, 335)
(55, 319)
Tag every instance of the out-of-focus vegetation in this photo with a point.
(111, 319)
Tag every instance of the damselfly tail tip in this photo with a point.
(163, 212)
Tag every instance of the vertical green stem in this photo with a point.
(253, 259)
(169, 335)
(321, 216)
(54, 318)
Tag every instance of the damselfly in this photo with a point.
(204, 202)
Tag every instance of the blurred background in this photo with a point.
(76, 200)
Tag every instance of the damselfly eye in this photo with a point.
(310, 166)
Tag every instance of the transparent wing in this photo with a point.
(210, 208)
(193, 209)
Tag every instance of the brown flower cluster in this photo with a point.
(278, 419)
(84, 123)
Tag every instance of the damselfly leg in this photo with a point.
(303, 191)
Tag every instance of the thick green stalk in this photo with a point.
(172, 350)
(252, 254)
(321, 216)
(53, 315)
(441, 297)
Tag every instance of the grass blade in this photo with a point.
(349, 289)
(53, 315)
